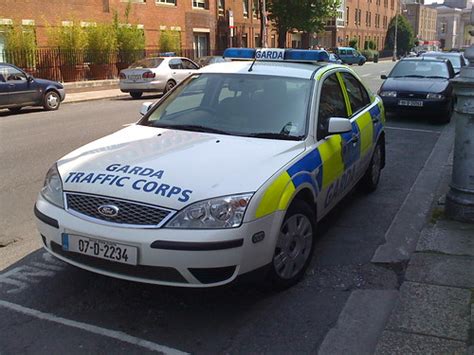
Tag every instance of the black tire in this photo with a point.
(361, 62)
(136, 95)
(169, 85)
(371, 178)
(446, 116)
(303, 215)
(15, 109)
(51, 101)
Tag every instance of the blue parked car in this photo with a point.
(18, 89)
(349, 55)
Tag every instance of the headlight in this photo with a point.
(221, 212)
(53, 187)
(435, 96)
(388, 93)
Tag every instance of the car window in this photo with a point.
(331, 103)
(175, 63)
(358, 96)
(147, 63)
(237, 104)
(420, 68)
(454, 59)
(187, 64)
(342, 51)
(13, 74)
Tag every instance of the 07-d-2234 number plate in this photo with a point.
(98, 248)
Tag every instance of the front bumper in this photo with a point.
(435, 106)
(62, 94)
(186, 258)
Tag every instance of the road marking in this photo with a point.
(23, 276)
(121, 336)
(412, 129)
(366, 75)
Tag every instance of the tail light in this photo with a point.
(148, 75)
(122, 76)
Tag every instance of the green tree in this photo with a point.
(405, 36)
(302, 15)
(101, 42)
(20, 45)
(130, 39)
(353, 43)
(170, 41)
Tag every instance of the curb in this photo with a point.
(90, 84)
(65, 102)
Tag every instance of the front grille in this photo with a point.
(411, 95)
(129, 213)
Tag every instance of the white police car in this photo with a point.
(226, 174)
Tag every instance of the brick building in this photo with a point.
(361, 19)
(423, 20)
(203, 24)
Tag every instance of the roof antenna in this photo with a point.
(251, 67)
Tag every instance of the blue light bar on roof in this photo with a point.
(277, 54)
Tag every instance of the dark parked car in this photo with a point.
(420, 85)
(457, 59)
(19, 89)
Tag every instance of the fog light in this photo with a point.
(258, 237)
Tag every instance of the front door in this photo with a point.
(21, 90)
(201, 45)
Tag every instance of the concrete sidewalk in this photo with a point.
(93, 95)
(435, 310)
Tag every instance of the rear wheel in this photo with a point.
(15, 109)
(51, 101)
(136, 95)
(371, 178)
(294, 247)
(169, 85)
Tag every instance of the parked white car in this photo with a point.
(158, 74)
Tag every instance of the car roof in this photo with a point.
(424, 59)
(271, 68)
(453, 54)
(345, 48)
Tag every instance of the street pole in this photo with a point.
(394, 58)
(460, 198)
(263, 23)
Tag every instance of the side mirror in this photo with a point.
(29, 77)
(145, 108)
(383, 77)
(338, 125)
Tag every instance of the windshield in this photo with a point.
(237, 104)
(146, 63)
(420, 69)
(454, 59)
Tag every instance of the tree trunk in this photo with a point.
(282, 37)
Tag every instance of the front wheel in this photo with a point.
(51, 101)
(294, 247)
(361, 62)
(371, 178)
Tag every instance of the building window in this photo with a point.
(257, 41)
(221, 7)
(246, 8)
(366, 18)
(356, 14)
(255, 9)
(167, 2)
(385, 3)
(245, 42)
(347, 15)
(200, 4)
(392, 4)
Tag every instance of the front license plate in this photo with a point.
(98, 248)
(410, 103)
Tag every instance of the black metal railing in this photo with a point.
(71, 65)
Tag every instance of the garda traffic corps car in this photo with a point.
(228, 173)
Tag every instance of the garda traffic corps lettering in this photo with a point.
(137, 177)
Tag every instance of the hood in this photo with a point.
(45, 82)
(415, 85)
(173, 168)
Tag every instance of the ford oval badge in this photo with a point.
(108, 210)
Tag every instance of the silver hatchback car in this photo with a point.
(158, 74)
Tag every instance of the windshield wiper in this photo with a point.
(437, 77)
(271, 135)
(190, 127)
(414, 76)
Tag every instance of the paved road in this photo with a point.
(47, 306)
